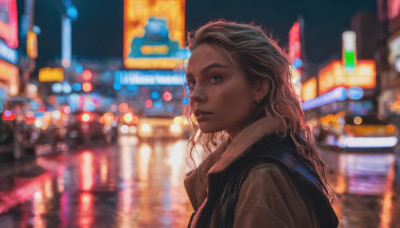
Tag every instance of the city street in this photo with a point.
(140, 184)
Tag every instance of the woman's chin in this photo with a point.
(208, 129)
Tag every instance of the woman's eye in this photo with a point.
(215, 79)
(191, 84)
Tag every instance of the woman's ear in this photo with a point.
(262, 89)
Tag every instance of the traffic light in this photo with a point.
(87, 75)
(87, 85)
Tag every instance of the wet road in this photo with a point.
(134, 185)
(141, 185)
(367, 186)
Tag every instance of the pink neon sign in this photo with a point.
(9, 28)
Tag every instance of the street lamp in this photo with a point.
(70, 13)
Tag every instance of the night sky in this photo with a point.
(98, 31)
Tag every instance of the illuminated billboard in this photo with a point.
(7, 53)
(154, 34)
(334, 75)
(31, 45)
(294, 43)
(148, 77)
(9, 76)
(349, 54)
(309, 89)
(9, 22)
(393, 8)
(48, 74)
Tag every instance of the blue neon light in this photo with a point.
(89, 106)
(7, 53)
(66, 88)
(157, 104)
(36, 29)
(117, 86)
(297, 63)
(355, 93)
(57, 87)
(338, 94)
(149, 77)
(185, 100)
(155, 95)
(76, 86)
(132, 87)
(39, 114)
(79, 68)
(72, 12)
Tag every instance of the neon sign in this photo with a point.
(48, 74)
(338, 94)
(148, 77)
(154, 34)
(349, 57)
(295, 47)
(294, 43)
(309, 90)
(7, 53)
(31, 43)
(9, 22)
(9, 73)
(334, 75)
(393, 8)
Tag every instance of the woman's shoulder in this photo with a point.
(267, 172)
(269, 192)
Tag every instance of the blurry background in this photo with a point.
(92, 132)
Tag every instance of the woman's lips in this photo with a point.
(201, 115)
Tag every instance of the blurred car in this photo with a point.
(360, 132)
(163, 126)
(127, 124)
(86, 127)
(18, 135)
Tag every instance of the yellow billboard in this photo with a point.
(334, 75)
(309, 90)
(9, 75)
(31, 45)
(154, 34)
(49, 74)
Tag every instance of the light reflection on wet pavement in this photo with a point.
(368, 192)
(141, 185)
(134, 185)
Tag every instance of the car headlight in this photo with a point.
(132, 129)
(39, 123)
(124, 129)
(175, 128)
(145, 128)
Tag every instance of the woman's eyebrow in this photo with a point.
(207, 68)
(212, 65)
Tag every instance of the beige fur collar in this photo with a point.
(196, 181)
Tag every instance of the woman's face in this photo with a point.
(220, 96)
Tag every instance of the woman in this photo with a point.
(265, 170)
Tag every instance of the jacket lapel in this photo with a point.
(196, 181)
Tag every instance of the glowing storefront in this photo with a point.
(9, 73)
(339, 90)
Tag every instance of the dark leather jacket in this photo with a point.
(224, 187)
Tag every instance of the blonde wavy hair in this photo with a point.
(260, 58)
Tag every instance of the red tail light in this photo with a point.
(30, 120)
(8, 115)
(86, 117)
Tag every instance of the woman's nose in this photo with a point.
(198, 95)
